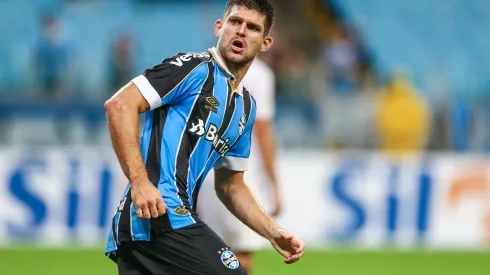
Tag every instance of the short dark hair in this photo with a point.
(262, 6)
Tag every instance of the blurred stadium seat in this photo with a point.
(444, 37)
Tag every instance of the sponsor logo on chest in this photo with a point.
(221, 145)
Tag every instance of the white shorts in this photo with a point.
(236, 234)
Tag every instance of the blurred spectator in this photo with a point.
(52, 60)
(121, 63)
(341, 59)
(291, 69)
(402, 118)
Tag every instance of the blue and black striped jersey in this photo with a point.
(198, 120)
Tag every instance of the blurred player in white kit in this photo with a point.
(261, 178)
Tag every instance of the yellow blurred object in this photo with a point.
(402, 118)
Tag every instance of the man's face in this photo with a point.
(241, 35)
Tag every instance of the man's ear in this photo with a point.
(217, 27)
(266, 44)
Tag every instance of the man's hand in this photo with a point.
(288, 245)
(147, 200)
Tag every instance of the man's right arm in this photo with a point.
(166, 83)
(122, 117)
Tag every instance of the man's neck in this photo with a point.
(237, 71)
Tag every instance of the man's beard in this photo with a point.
(241, 63)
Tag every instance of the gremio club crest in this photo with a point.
(228, 258)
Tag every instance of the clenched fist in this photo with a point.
(148, 201)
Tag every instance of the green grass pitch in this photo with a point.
(345, 262)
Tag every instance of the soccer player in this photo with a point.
(260, 82)
(198, 117)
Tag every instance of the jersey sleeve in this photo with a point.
(236, 158)
(167, 83)
(260, 82)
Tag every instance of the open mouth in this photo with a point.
(237, 45)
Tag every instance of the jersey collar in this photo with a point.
(228, 74)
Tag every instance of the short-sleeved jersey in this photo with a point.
(198, 120)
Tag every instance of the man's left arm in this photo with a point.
(235, 195)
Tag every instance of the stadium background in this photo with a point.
(382, 126)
